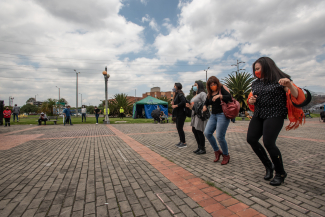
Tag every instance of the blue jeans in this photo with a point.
(219, 123)
(97, 116)
(15, 115)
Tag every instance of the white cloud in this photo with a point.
(144, 2)
(290, 32)
(152, 22)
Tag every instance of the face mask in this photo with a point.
(213, 88)
(195, 88)
(174, 90)
(258, 74)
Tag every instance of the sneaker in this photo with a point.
(96, 123)
(178, 144)
(182, 145)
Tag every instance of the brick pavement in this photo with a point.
(91, 170)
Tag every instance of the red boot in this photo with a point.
(217, 154)
(226, 159)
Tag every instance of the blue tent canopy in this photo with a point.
(144, 107)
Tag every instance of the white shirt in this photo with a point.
(83, 110)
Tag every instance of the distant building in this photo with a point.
(155, 92)
(38, 103)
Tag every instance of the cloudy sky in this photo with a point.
(146, 43)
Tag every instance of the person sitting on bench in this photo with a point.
(42, 117)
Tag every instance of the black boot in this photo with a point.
(269, 172)
(278, 179)
(202, 151)
(196, 150)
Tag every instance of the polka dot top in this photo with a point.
(271, 100)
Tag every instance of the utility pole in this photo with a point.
(135, 94)
(238, 66)
(206, 74)
(77, 92)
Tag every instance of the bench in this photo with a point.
(51, 118)
(165, 120)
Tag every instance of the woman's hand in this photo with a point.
(252, 100)
(172, 102)
(204, 109)
(285, 82)
(215, 98)
(188, 105)
(174, 106)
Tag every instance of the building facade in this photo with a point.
(155, 92)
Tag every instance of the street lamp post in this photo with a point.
(77, 92)
(106, 76)
(206, 74)
(81, 98)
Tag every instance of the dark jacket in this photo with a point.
(181, 102)
(216, 105)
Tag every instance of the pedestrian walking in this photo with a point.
(179, 104)
(15, 112)
(198, 125)
(271, 100)
(7, 116)
(121, 112)
(67, 114)
(97, 112)
(217, 121)
(83, 113)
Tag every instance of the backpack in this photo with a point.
(198, 107)
(230, 109)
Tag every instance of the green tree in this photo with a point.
(47, 106)
(239, 86)
(63, 100)
(164, 98)
(28, 108)
(190, 96)
(120, 100)
(90, 109)
(32, 99)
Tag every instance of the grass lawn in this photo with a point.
(32, 119)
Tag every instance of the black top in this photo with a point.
(216, 105)
(181, 102)
(271, 100)
(97, 111)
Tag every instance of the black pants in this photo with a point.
(121, 115)
(269, 129)
(83, 116)
(7, 122)
(179, 125)
(200, 139)
(40, 121)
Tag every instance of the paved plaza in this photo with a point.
(136, 170)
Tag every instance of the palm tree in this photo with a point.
(239, 86)
(120, 100)
(47, 106)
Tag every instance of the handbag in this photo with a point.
(230, 109)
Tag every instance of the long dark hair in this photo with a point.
(213, 79)
(270, 71)
(179, 88)
(200, 87)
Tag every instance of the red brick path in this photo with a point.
(211, 199)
